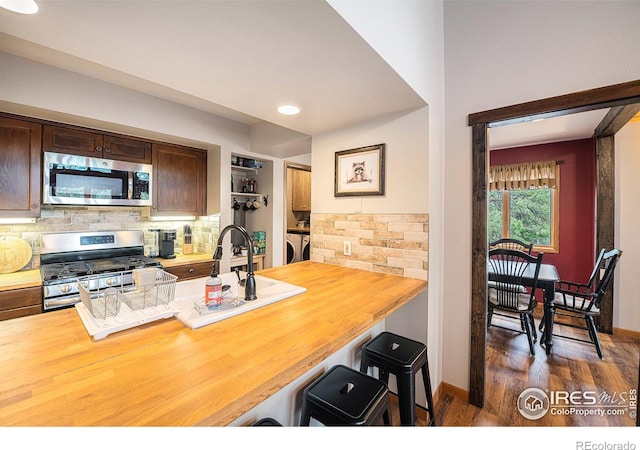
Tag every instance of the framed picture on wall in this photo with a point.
(360, 171)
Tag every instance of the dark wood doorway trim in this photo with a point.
(599, 98)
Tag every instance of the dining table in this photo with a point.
(547, 279)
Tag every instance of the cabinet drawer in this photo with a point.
(20, 312)
(195, 270)
(20, 302)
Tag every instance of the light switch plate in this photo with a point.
(346, 248)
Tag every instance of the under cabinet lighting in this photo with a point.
(20, 6)
(17, 220)
(171, 218)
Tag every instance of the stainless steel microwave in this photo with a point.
(82, 180)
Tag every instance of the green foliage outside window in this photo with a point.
(529, 215)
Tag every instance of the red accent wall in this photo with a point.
(577, 201)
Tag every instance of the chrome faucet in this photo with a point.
(250, 281)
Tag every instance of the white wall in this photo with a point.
(409, 36)
(626, 312)
(501, 53)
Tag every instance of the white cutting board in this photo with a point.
(15, 253)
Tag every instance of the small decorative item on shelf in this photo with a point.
(259, 242)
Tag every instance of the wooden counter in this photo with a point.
(181, 259)
(21, 279)
(163, 374)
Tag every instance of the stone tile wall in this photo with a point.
(62, 219)
(388, 243)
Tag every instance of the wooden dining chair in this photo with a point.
(513, 244)
(583, 301)
(507, 295)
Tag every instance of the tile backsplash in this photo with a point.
(61, 219)
(388, 243)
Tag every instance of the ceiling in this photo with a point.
(235, 59)
(241, 60)
(561, 128)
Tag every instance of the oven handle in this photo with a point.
(60, 302)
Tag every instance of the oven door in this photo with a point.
(78, 180)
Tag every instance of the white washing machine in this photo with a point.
(305, 247)
(294, 241)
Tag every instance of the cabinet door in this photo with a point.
(127, 149)
(20, 161)
(180, 180)
(301, 194)
(71, 141)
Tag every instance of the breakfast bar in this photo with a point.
(165, 374)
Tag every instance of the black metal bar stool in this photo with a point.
(344, 396)
(402, 357)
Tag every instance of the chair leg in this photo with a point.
(525, 320)
(364, 364)
(427, 390)
(305, 418)
(489, 317)
(591, 326)
(406, 399)
(533, 327)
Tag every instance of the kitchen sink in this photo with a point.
(189, 298)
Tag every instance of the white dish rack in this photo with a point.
(107, 310)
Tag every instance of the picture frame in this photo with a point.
(360, 171)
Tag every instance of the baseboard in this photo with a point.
(623, 332)
(443, 388)
(454, 391)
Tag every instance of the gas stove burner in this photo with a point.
(58, 271)
(138, 262)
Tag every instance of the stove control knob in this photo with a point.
(66, 288)
(111, 281)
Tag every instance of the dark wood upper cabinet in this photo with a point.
(179, 180)
(77, 141)
(20, 161)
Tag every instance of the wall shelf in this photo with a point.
(245, 194)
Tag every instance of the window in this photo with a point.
(524, 207)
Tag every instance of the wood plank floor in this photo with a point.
(572, 366)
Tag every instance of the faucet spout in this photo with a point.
(250, 281)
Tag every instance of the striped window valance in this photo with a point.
(532, 175)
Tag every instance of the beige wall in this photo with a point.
(626, 313)
(406, 165)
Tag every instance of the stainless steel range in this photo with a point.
(67, 256)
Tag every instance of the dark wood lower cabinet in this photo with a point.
(20, 302)
(188, 271)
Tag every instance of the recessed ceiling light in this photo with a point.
(289, 110)
(20, 6)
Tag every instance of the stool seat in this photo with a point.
(344, 396)
(402, 357)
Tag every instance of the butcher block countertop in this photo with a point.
(165, 374)
(21, 279)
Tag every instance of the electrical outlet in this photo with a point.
(346, 250)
